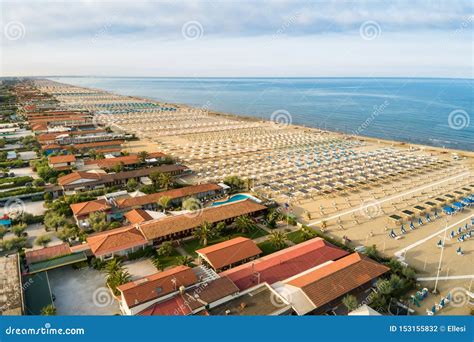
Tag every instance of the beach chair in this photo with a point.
(432, 311)
(428, 218)
(459, 251)
(403, 229)
(420, 221)
(461, 238)
(440, 244)
(436, 214)
(452, 235)
(392, 234)
(412, 226)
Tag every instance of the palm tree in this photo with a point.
(113, 266)
(244, 224)
(48, 310)
(157, 263)
(350, 302)
(278, 240)
(164, 202)
(184, 260)
(307, 233)
(142, 156)
(165, 180)
(204, 232)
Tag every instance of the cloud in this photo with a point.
(130, 37)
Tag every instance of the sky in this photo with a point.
(237, 38)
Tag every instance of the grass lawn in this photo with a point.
(268, 248)
(190, 246)
(170, 260)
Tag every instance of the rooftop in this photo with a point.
(173, 194)
(47, 253)
(137, 216)
(284, 264)
(229, 252)
(259, 301)
(193, 299)
(67, 158)
(337, 278)
(85, 208)
(174, 224)
(115, 240)
(11, 297)
(157, 285)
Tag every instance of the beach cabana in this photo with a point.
(448, 210)
(458, 206)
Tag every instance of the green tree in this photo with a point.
(43, 240)
(234, 182)
(156, 261)
(372, 252)
(165, 180)
(98, 221)
(350, 302)
(165, 249)
(132, 184)
(307, 233)
(19, 229)
(52, 220)
(68, 233)
(205, 232)
(48, 310)
(278, 240)
(164, 202)
(118, 168)
(244, 224)
(191, 204)
(143, 156)
(184, 260)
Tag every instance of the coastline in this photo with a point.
(403, 144)
(249, 118)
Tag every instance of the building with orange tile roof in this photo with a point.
(82, 180)
(194, 300)
(137, 216)
(179, 226)
(47, 253)
(142, 293)
(321, 289)
(81, 211)
(62, 162)
(116, 242)
(227, 254)
(284, 264)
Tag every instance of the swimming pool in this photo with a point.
(235, 198)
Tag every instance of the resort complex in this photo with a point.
(114, 204)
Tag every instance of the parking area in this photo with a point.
(81, 292)
(140, 268)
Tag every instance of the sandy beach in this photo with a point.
(353, 187)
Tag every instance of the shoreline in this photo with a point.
(249, 118)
